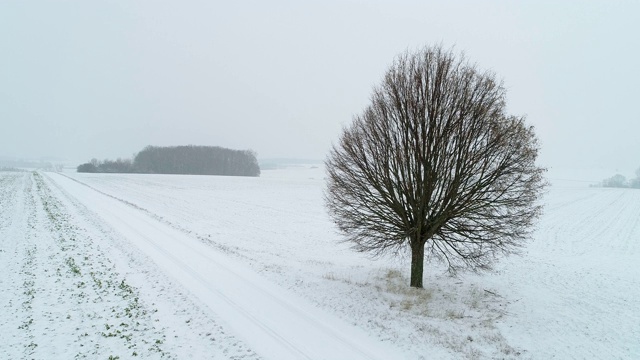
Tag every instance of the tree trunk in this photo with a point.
(417, 263)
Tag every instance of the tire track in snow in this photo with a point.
(185, 266)
(190, 270)
(277, 324)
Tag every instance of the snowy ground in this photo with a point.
(161, 266)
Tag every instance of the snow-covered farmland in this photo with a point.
(161, 266)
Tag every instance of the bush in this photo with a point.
(87, 168)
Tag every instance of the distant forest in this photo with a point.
(194, 160)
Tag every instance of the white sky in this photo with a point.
(83, 79)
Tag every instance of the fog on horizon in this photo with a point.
(82, 80)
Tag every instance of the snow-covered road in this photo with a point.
(274, 322)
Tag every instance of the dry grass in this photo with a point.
(450, 312)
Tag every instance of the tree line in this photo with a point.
(190, 159)
(620, 181)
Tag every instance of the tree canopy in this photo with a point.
(434, 165)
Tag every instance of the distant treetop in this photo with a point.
(620, 181)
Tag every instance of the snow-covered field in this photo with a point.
(203, 267)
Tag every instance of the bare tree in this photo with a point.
(434, 165)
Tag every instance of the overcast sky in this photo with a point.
(83, 79)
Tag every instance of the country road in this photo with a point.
(271, 320)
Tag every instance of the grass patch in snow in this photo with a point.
(449, 312)
(394, 284)
(127, 323)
